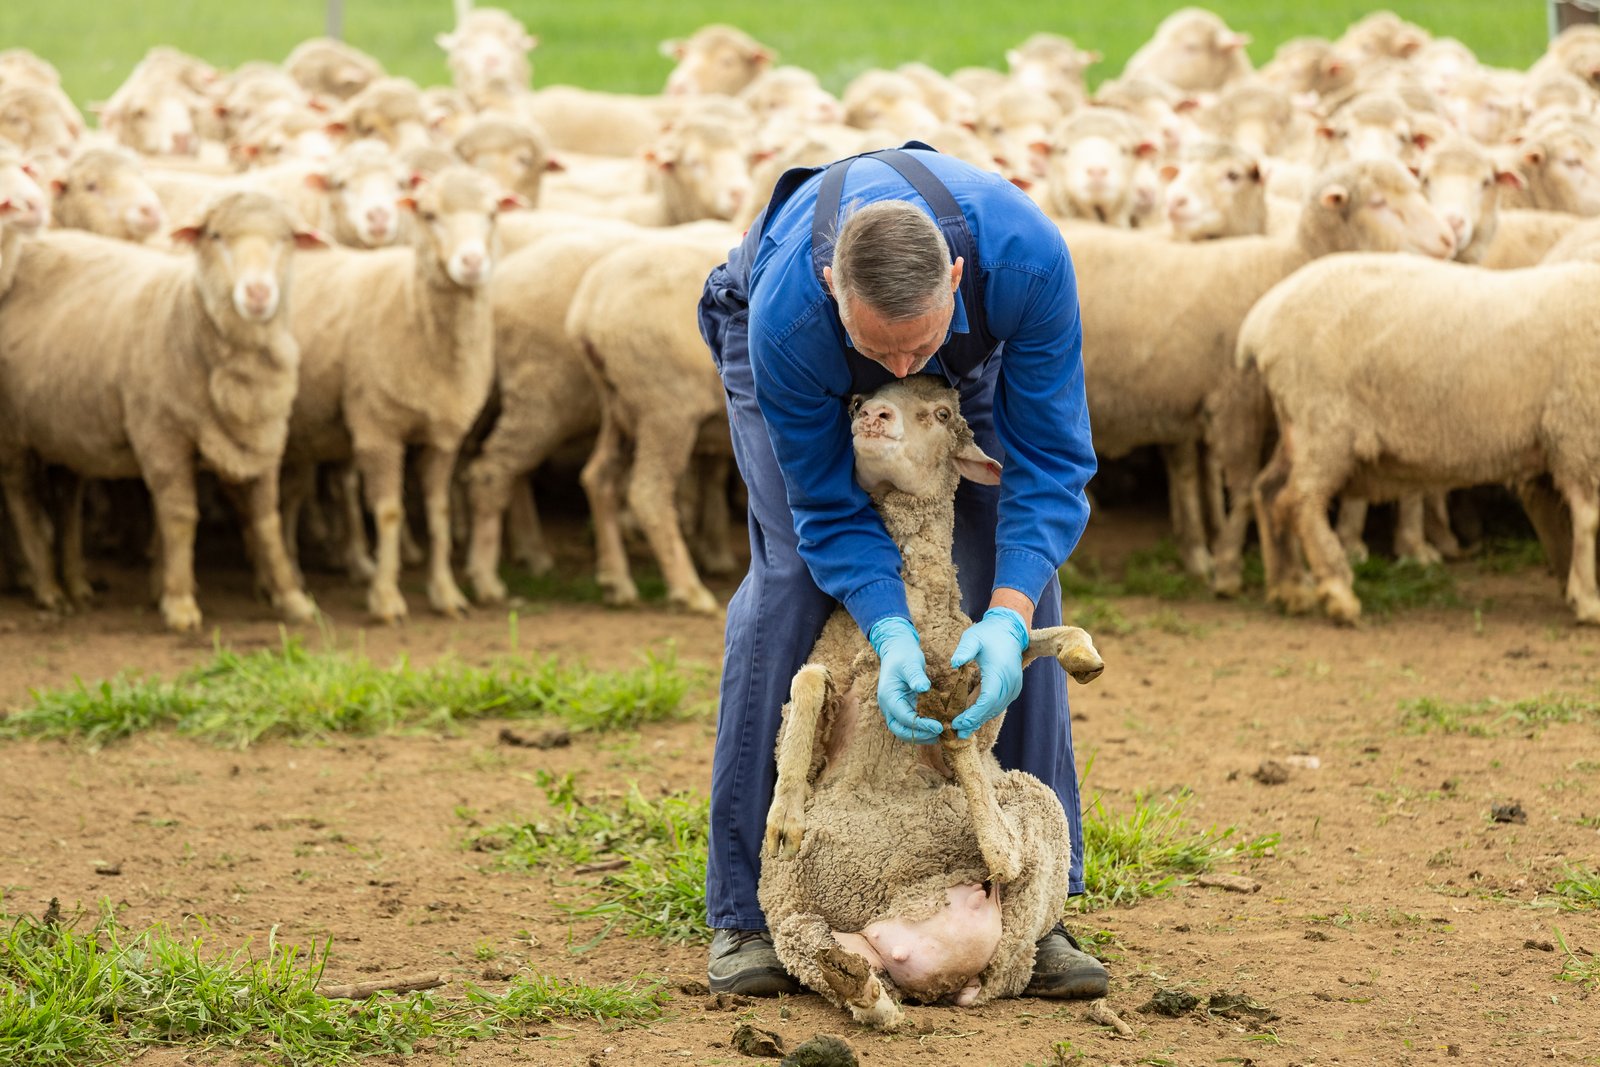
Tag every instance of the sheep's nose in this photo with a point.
(1096, 172)
(1178, 201)
(258, 293)
(1457, 221)
(472, 262)
(378, 218)
(181, 142)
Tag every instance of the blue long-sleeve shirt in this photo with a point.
(1041, 417)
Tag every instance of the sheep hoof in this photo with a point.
(360, 567)
(696, 601)
(537, 562)
(181, 614)
(386, 605)
(488, 589)
(446, 599)
(786, 825)
(1339, 602)
(1083, 664)
(1586, 611)
(1423, 555)
(296, 606)
(1227, 580)
(1197, 563)
(1295, 599)
(619, 593)
(80, 593)
(852, 980)
(1356, 552)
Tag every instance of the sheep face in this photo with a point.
(154, 120)
(32, 119)
(455, 213)
(1463, 185)
(362, 185)
(706, 169)
(717, 59)
(485, 63)
(795, 92)
(1047, 61)
(245, 245)
(1092, 170)
(1217, 191)
(909, 436)
(23, 205)
(510, 153)
(105, 192)
(389, 110)
(1377, 206)
(1565, 166)
(881, 100)
(1359, 133)
(1194, 50)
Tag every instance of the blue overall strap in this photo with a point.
(963, 354)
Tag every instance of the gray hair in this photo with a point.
(892, 257)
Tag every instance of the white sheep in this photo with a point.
(330, 68)
(1093, 157)
(1381, 388)
(189, 360)
(397, 350)
(487, 54)
(1215, 190)
(104, 191)
(1049, 64)
(1193, 50)
(895, 867)
(715, 59)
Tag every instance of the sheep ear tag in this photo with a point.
(973, 465)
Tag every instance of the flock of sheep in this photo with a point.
(519, 269)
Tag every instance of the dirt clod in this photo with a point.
(749, 1041)
(107, 870)
(692, 988)
(1239, 1006)
(824, 1050)
(1511, 813)
(544, 739)
(1170, 1002)
(1271, 772)
(1318, 935)
(1541, 946)
(727, 1002)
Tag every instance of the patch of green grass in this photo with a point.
(1489, 718)
(1386, 586)
(614, 44)
(1153, 572)
(1578, 888)
(1508, 555)
(291, 692)
(577, 587)
(98, 995)
(1148, 851)
(1096, 615)
(1578, 965)
(661, 891)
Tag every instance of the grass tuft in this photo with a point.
(1153, 572)
(1579, 889)
(1386, 586)
(1145, 852)
(239, 699)
(1509, 555)
(1578, 965)
(541, 998)
(1489, 718)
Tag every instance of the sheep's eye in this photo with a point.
(942, 414)
(92, 187)
(1426, 182)
(429, 216)
(140, 113)
(855, 406)
(1233, 175)
(338, 186)
(213, 235)
(525, 160)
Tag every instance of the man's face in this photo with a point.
(903, 346)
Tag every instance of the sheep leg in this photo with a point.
(74, 568)
(660, 456)
(852, 980)
(1583, 502)
(809, 694)
(1436, 525)
(435, 466)
(258, 500)
(998, 839)
(382, 466)
(1410, 540)
(1272, 497)
(1188, 516)
(358, 560)
(601, 479)
(17, 483)
(524, 531)
(1551, 524)
(714, 551)
(1352, 527)
(169, 473)
(296, 483)
(1325, 554)
(1069, 646)
(489, 487)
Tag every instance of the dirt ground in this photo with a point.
(1397, 923)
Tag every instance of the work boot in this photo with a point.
(743, 961)
(1064, 971)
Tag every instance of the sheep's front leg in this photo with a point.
(852, 980)
(998, 838)
(436, 465)
(1184, 502)
(1069, 646)
(663, 446)
(1583, 501)
(382, 466)
(168, 468)
(16, 480)
(489, 488)
(74, 569)
(262, 518)
(802, 719)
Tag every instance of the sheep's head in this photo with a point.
(456, 211)
(245, 244)
(939, 956)
(1375, 205)
(104, 192)
(909, 436)
(23, 205)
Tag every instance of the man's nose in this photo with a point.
(900, 366)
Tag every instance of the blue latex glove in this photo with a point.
(902, 675)
(997, 642)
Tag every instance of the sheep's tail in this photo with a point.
(997, 838)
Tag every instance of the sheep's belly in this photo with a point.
(1389, 476)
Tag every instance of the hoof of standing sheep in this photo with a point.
(1586, 611)
(297, 607)
(1197, 563)
(696, 601)
(386, 605)
(360, 567)
(1295, 598)
(1227, 580)
(446, 599)
(487, 589)
(80, 593)
(1356, 553)
(181, 614)
(1339, 602)
(1423, 555)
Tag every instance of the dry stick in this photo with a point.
(1233, 883)
(595, 868)
(1100, 1012)
(363, 990)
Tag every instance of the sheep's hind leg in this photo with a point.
(1583, 502)
(663, 448)
(1069, 646)
(436, 466)
(382, 466)
(1324, 552)
(601, 479)
(802, 719)
(852, 979)
(1353, 527)
(1184, 502)
(26, 519)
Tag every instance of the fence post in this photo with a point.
(334, 23)
(1564, 13)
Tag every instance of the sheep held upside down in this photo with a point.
(889, 867)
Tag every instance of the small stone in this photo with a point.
(108, 870)
(727, 1002)
(1170, 1002)
(1452, 1050)
(749, 1041)
(824, 1050)
(1512, 813)
(1271, 772)
(1541, 946)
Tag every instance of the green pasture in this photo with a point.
(612, 44)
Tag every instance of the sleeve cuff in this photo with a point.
(1022, 570)
(876, 601)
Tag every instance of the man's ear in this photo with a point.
(973, 465)
(827, 281)
(955, 273)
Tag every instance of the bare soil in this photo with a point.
(1397, 923)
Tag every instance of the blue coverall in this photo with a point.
(788, 366)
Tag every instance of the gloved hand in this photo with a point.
(997, 642)
(902, 675)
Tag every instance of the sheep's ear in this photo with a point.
(510, 202)
(553, 165)
(336, 129)
(1254, 173)
(1422, 140)
(1327, 133)
(1333, 197)
(973, 465)
(1187, 104)
(761, 57)
(446, 41)
(186, 235)
(674, 49)
(316, 180)
(406, 203)
(1533, 156)
(1013, 57)
(1168, 172)
(1020, 182)
(1145, 149)
(1511, 178)
(1089, 58)
(306, 240)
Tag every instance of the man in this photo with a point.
(894, 263)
